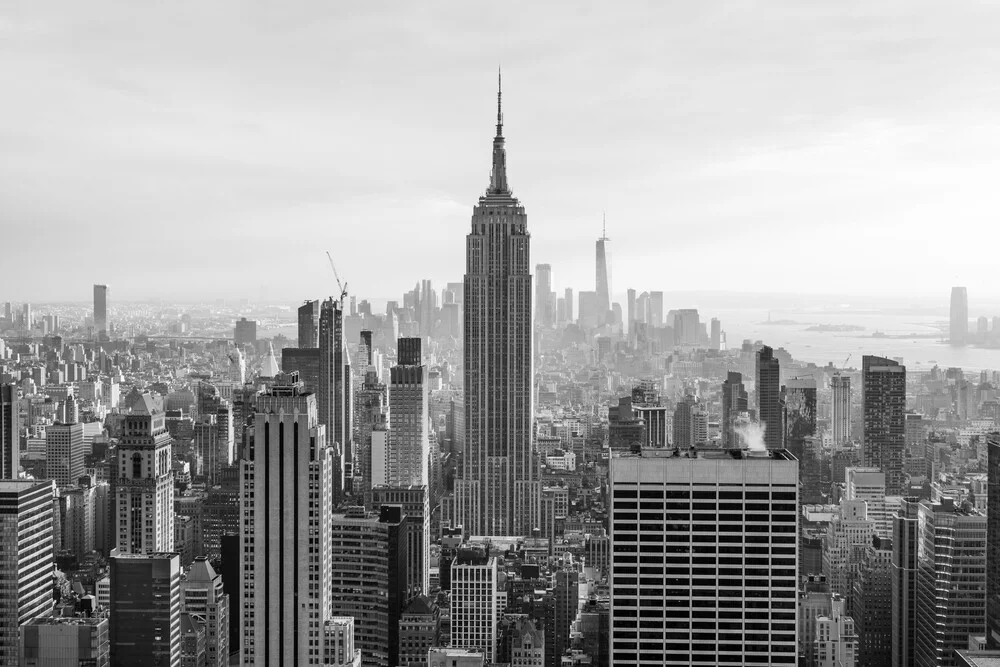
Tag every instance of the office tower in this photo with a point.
(734, 401)
(836, 643)
(589, 315)
(543, 290)
(408, 417)
(498, 491)
(769, 408)
(245, 332)
(78, 507)
(26, 319)
(101, 311)
(415, 503)
(65, 641)
(647, 407)
(951, 581)
(286, 504)
(371, 404)
(840, 420)
(568, 300)
(26, 558)
(419, 631)
(872, 599)
(868, 484)
(905, 545)
(142, 487)
(683, 427)
(699, 425)
(207, 447)
(367, 349)
(146, 610)
(993, 541)
(566, 591)
(959, 321)
(475, 601)
(203, 596)
(884, 399)
(715, 340)
(630, 313)
(338, 643)
(692, 610)
(304, 361)
(845, 537)
(333, 396)
(799, 398)
(64, 453)
(626, 430)
(603, 281)
(10, 454)
(309, 324)
(222, 516)
(369, 571)
(655, 310)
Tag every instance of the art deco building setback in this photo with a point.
(498, 489)
(704, 557)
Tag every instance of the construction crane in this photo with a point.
(844, 365)
(341, 286)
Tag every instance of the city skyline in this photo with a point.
(802, 148)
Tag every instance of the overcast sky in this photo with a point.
(206, 148)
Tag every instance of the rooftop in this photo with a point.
(707, 453)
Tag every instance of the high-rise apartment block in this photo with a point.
(101, 312)
(884, 420)
(146, 609)
(142, 486)
(770, 411)
(286, 504)
(409, 446)
(64, 453)
(498, 491)
(26, 558)
(716, 583)
(840, 413)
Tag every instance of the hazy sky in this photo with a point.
(206, 148)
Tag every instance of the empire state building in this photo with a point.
(498, 490)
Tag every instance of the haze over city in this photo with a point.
(766, 147)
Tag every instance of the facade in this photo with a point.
(959, 320)
(846, 537)
(836, 643)
(868, 484)
(993, 541)
(419, 631)
(734, 401)
(415, 503)
(951, 581)
(368, 578)
(338, 643)
(203, 597)
(146, 610)
(370, 405)
(142, 486)
(10, 454)
(26, 559)
(527, 645)
(770, 411)
(498, 491)
(872, 599)
(309, 325)
(905, 544)
(304, 360)
(59, 641)
(334, 396)
(706, 602)
(475, 602)
(840, 420)
(64, 453)
(409, 446)
(715, 335)
(286, 503)
(101, 312)
(884, 414)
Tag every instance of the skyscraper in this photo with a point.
(770, 411)
(498, 492)
(568, 301)
(101, 311)
(715, 337)
(630, 313)
(142, 486)
(286, 503)
(543, 291)
(840, 387)
(64, 453)
(203, 595)
(884, 397)
(905, 545)
(959, 327)
(603, 276)
(476, 608)
(55, 641)
(333, 396)
(26, 559)
(309, 325)
(799, 399)
(10, 454)
(727, 555)
(993, 541)
(734, 401)
(408, 403)
(371, 403)
(146, 610)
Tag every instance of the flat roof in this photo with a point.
(705, 453)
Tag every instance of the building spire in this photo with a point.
(498, 177)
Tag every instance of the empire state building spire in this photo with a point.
(498, 177)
